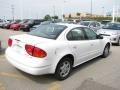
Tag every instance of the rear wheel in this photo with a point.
(106, 51)
(63, 69)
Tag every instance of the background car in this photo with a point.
(91, 24)
(34, 27)
(15, 25)
(2, 23)
(29, 24)
(69, 22)
(112, 30)
(7, 25)
(105, 22)
(55, 49)
(44, 23)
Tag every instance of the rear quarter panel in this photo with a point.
(55, 52)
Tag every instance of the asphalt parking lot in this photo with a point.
(98, 73)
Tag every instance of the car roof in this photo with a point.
(70, 25)
(106, 20)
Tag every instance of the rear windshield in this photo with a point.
(112, 26)
(105, 22)
(85, 23)
(50, 31)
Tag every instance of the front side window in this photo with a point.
(76, 34)
(91, 35)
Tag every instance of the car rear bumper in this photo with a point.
(13, 59)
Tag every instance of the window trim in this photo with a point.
(72, 35)
(87, 35)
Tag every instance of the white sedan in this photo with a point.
(55, 49)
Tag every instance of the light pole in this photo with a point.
(12, 8)
(91, 7)
(21, 9)
(54, 12)
(103, 8)
(63, 9)
(113, 12)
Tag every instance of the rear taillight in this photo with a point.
(35, 51)
(29, 49)
(9, 42)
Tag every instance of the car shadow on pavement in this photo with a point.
(87, 64)
(48, 79)
(42, 79)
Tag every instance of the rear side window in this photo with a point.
(76, 34)
(91, 35)
(50, 31)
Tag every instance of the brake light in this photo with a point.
(10, 42)
(35, 51)
(29, 49)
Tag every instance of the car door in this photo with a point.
(78, 44)
(96, 44)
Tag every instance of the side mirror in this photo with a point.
(99, 36)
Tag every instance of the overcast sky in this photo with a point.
(39, 8)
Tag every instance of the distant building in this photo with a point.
(79, 15)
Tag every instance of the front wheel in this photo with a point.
(106, 51)
(63, 69)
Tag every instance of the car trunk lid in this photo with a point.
(19, 42)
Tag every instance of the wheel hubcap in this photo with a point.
(106, 51)
(65, 69)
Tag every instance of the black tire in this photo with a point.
(106, 51)
(61, 75)
(118, 44)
